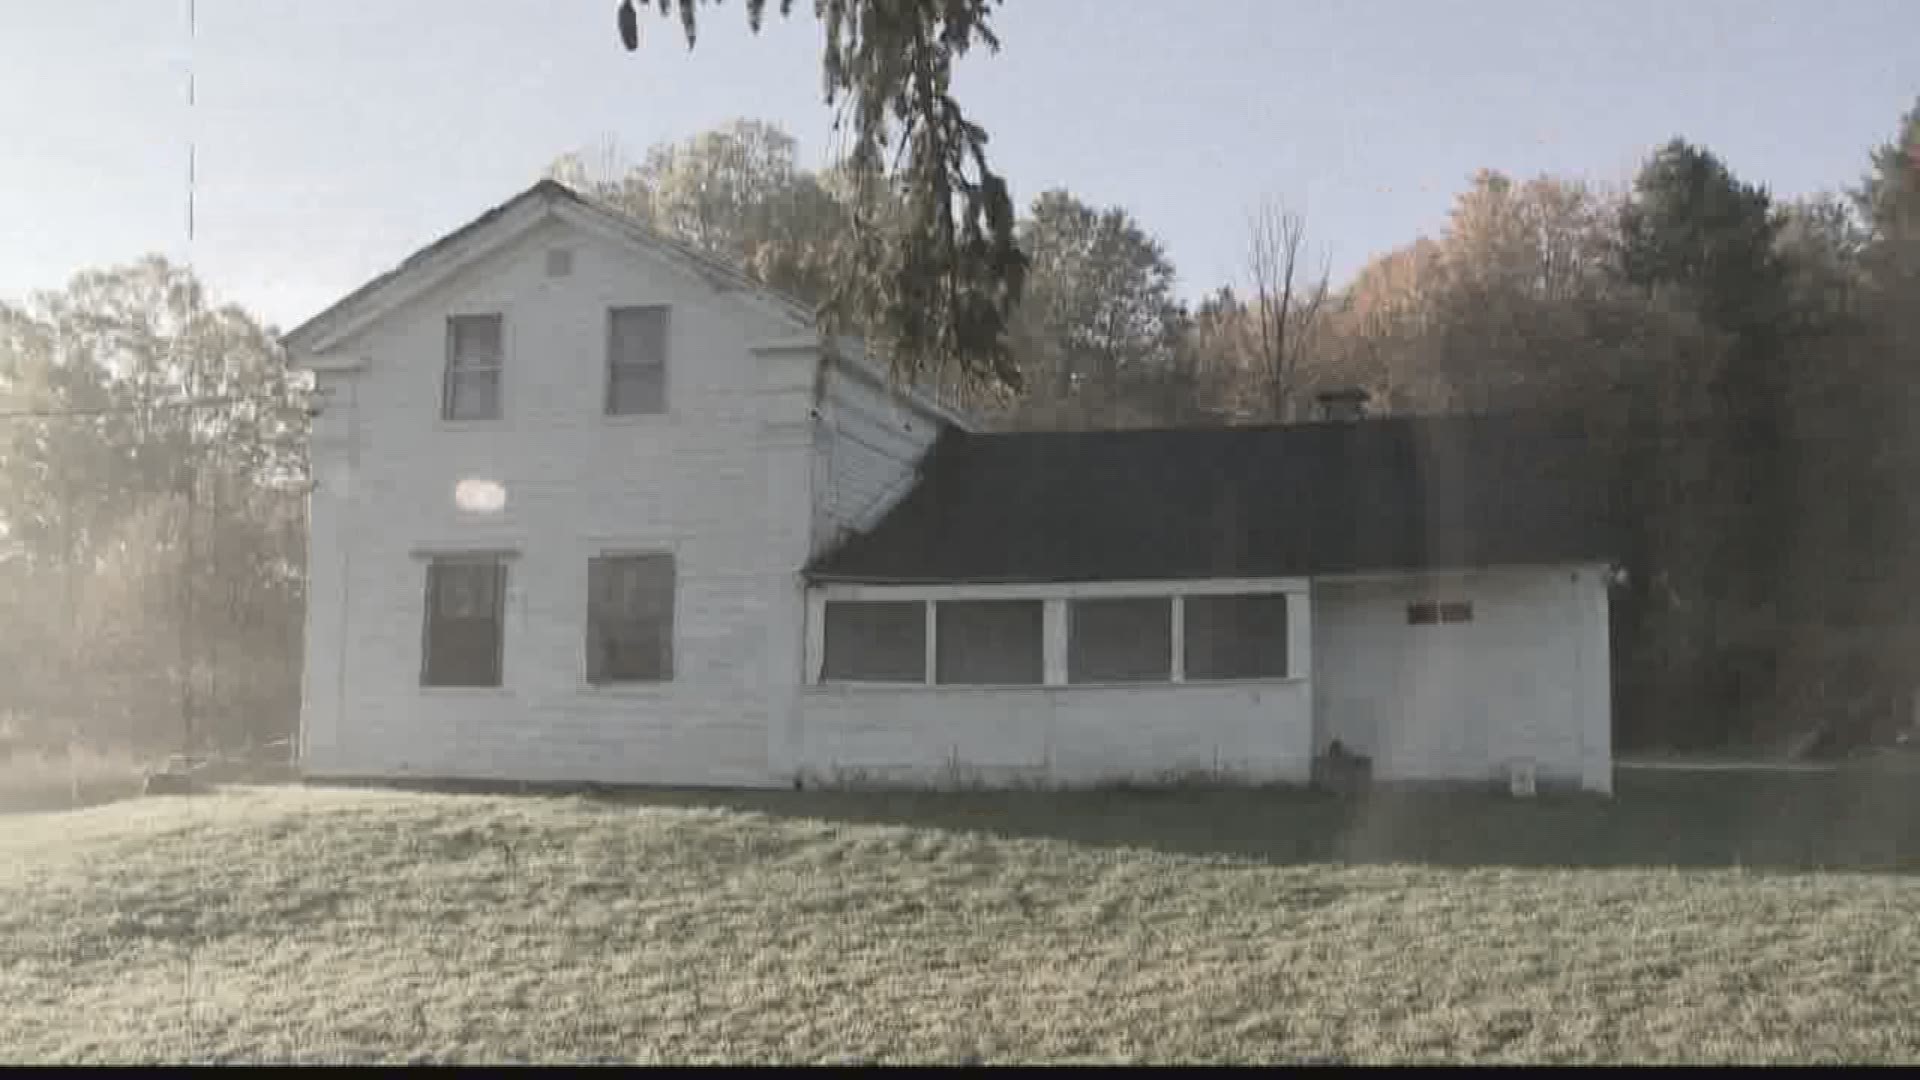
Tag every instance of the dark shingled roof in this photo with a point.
(1302, 499)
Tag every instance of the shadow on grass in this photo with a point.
(1840, 821)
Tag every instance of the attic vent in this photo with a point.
(559, 262)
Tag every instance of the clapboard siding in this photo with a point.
(721, 480)
(870, 445)
(1464, 701)
(1055, 736)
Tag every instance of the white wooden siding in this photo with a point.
(869, 447)
(1064, 736)
(722, 479)
(1526, 678)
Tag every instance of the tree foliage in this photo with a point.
(151, 472)
(1100, 331)
(933, 272)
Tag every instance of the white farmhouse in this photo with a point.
(592, 507)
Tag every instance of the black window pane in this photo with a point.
(475, 340)
(637, 360)
(989, 642)
(465, 602)
(637, 391)
(1423, 614)
(1128, 640)
(1236, 637)
(630, 618)
(875, 641)
(473, 395)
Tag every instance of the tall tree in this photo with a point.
(151, 472)
(1101, 329)
(1695, 237)
(1285, 302)
(935, 284)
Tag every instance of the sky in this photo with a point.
(332, 139)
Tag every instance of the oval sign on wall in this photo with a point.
(480, 496)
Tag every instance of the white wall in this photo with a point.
(1526, 678)
(1054, 735)
(1058, 733)
(722, 480)
(869, 445)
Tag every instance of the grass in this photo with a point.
(1678, 923)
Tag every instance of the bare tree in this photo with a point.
(1286, 304)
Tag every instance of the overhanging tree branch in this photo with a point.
(934, 284)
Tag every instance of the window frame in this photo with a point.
(613, 365)
(591, 635)
(496, 369)
(431, 614)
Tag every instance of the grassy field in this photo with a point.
(1680, 922)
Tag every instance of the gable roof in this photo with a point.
(550, 200)
(545, 200)
(1295, 500)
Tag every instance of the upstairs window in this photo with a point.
(630, 618)
(636, 361)
(465, 603)
(475, 354)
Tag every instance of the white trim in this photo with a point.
(931, 643)
(466, 549)
(1177, 638)
(833, 687)
(1053, 629)
(1300, 635)
(816, 643)
(1061, 590)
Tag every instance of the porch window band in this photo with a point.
(1106, 640)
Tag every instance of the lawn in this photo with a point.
(1676, 923)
